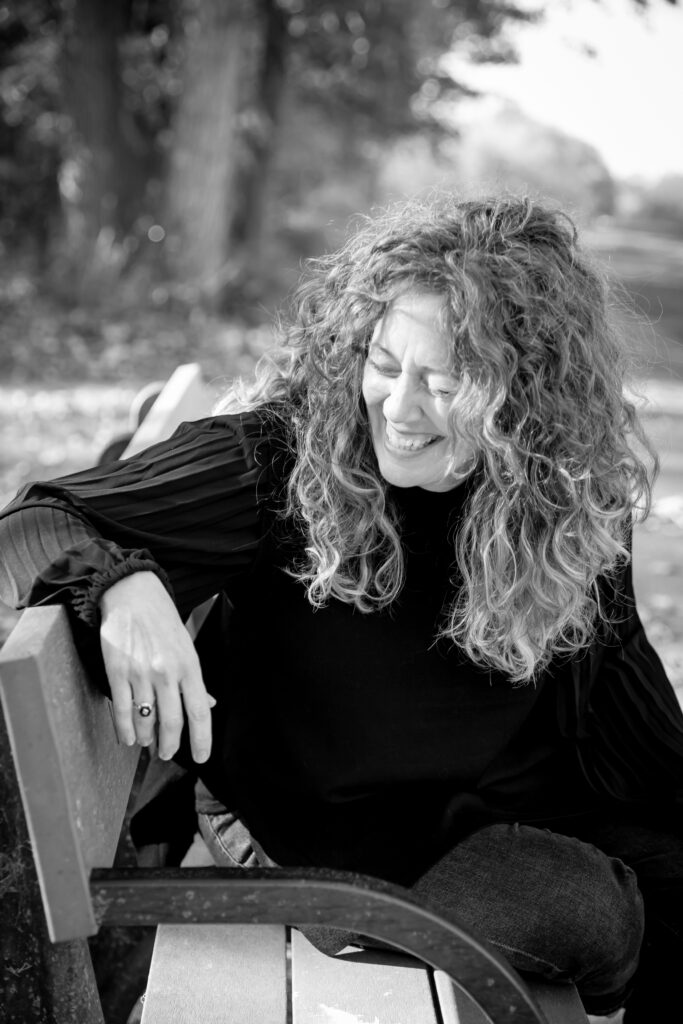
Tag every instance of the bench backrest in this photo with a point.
(74, 775)
(185, 396)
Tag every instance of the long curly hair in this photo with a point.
(561, 461)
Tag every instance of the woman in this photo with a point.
(420, 511)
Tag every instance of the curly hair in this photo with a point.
(561, 461)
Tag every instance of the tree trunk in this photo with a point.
(109, 171)
(249, 226)
(201, 190)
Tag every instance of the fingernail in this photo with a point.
(201, 755)
(212, 702)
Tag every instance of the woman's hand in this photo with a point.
(150, 659)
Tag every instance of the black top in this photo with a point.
(344, 739)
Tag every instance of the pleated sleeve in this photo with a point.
(621, 710)
(187, 509)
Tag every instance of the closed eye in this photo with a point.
(389, 369)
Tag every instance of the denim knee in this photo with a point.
(554, 906)
(601, 946)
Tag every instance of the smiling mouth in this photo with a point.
(409, 442)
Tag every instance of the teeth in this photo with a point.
(407, 443)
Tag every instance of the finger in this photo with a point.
(144, 715)
(121, 690)
(122, 703)
(169, 711)
(198, 704)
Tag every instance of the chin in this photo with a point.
(398, 476)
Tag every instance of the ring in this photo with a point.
(144, 709)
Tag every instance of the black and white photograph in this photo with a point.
(341, 512)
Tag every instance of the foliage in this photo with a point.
(380, 62)
(358, 74)
(513, 149)
(369, 68)
(32, 123)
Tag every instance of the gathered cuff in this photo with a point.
(86, 604)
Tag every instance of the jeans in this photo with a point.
(564, 907)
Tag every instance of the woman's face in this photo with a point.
(408, 388)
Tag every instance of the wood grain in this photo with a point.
(310, 897)
(75, 778)
(217, 974)
(40, 983)
(358, 987)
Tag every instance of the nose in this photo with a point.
(402, 404)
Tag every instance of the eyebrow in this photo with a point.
(429, 369)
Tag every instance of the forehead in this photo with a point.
(414, 324)
(422, 308)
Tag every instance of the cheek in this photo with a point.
(440, 418)
(372, 389)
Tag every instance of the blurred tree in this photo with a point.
(325, 88)
(260, 123)
(507, 148)
(106, 159)
(91, 82)
(80, 116)
(660, 205)
(31, 124)
(202, 193)
(205, 132)
(369, 68)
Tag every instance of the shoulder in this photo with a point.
(255, 434)
(256, 444)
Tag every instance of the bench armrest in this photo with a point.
(313, 897)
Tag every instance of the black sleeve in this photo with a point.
(187, 509)
(628, 721)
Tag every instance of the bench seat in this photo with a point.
(265, 974)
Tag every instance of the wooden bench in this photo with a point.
(226, 947)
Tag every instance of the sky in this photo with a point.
(626, 101)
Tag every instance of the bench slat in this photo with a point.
(560, 1003)
(75, 777)
(185, 397)
(358, 987)
(217, 974)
